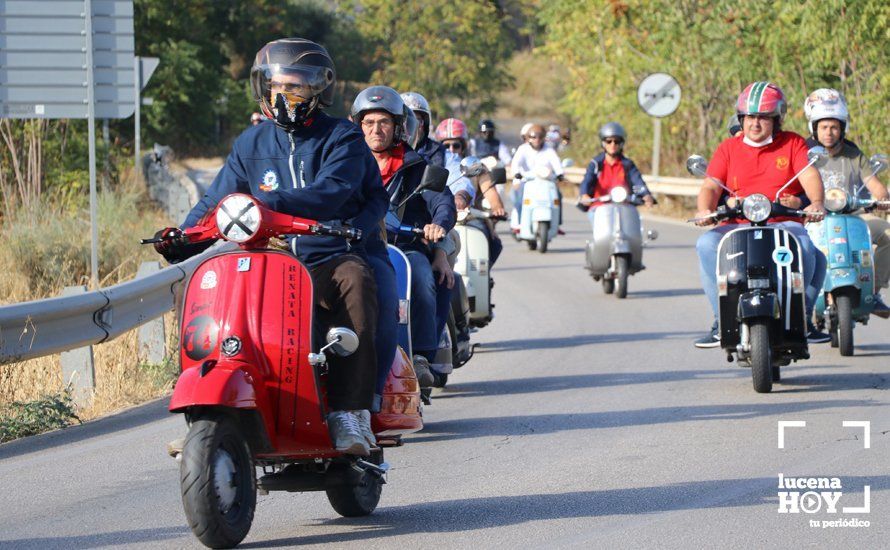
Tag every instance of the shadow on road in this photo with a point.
(664, 293)
(515, 386)
(468, 428)
(581, 340)
(831, 382)
(499, 269)
(99, 540)
(461, 515)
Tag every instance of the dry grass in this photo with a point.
(43, 251)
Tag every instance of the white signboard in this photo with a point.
(659, 95)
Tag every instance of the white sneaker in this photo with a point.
(346, 431)
(364, 418)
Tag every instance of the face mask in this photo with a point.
(290, 112)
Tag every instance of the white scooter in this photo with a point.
(473, 265)
(539, 223)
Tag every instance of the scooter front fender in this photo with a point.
(621, 246)
(758, 304)
(225, 384)
(841, 277)
(542, 214)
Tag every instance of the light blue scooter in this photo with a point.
(848, 292)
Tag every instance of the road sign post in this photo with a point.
(71, 59)
(659, 96)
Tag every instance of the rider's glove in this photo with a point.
(175, 248)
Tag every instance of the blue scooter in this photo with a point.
(848, 292)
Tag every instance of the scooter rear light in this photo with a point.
(722, 285)
(526, 202)
(556, 202)
(797, 283)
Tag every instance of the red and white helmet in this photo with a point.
(762, 98)
(826, 103)
(452, 128)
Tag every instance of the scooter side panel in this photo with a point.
(472, 264)
(403, 286)
(599, 252)
(264, 299)
(763, 253)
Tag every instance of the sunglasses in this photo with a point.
(534, 136)
(611, 141)
(453, 146)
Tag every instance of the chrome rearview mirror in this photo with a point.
(817, 154)
(342, 341)
(697, 166)
(471, 166)
(878, 163)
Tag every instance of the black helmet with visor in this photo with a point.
(290, 78)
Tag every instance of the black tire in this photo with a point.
(621, 263)
(832, 327)
(761, 365)
(532, 244)
(608, 285)
(845, 322)
(218, 515)
(777, 373)
(359, 500)
(542, 236)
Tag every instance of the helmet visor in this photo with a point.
(298, 83)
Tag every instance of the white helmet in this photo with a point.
(523, 133)
(826, 103)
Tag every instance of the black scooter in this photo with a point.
(760, 285)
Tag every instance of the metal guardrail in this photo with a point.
(687, 187)
(44, 327)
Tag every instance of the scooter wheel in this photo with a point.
(359, 499)
(608, 285)
(218, 481)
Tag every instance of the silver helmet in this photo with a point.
(612, 129)
(381, 98)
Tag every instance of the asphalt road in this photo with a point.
(583, 421)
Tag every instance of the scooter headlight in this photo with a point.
(618, 194)
(238, 218)
(756, 208)
(835, 199)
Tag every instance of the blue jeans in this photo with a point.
(424, 302)
(814, 262)
(387, 315)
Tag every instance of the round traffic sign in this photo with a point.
(659, 95)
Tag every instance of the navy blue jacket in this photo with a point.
(631, 174)
(322, 171)
(432, 151)
(422, 209)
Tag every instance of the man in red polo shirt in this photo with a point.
(761, 160)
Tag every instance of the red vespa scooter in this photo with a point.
(252, 386)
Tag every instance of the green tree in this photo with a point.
(714, 48)
(451, 52)
(206, 49)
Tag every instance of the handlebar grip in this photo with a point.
(350, 233)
